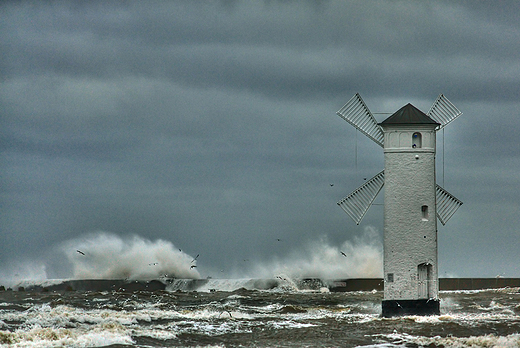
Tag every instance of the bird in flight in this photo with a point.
(80, 252)
(193, 266)
(342, 253)
(195, 259)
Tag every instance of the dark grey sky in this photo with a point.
(211, 127)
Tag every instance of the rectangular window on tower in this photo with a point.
(424, 212)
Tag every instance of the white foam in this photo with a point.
(512, 341)
(507, 290)
(45, 337)
(159, 332)
(212, 328)
(46, 326)
(28, 283)
(227, 284)
(381, 345)
(289, 324)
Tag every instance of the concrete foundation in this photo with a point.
(394, 308)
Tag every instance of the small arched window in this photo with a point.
(424, 212)
(416, 140)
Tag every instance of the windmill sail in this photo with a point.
(357, 203)
(447, 204)
(357, 114)
(443, 111)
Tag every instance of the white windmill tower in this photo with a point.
(413, 201)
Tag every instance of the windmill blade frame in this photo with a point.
(358, 115)
(443, 111)
(357, 203)
(447, 204)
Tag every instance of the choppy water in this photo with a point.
(282, 317)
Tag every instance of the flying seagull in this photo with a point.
(195, 259)
(193, 266)
(342, 253)
(81, 252)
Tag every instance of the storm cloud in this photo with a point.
(211, 126)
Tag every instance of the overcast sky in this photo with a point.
(211, 126)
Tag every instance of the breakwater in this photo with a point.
(335, 285)
(445, 284)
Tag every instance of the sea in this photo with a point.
(231, 313)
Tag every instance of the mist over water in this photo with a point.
(360, 258)
(12, 273)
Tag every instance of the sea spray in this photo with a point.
(360, 258)
(11, 274)
(103, 255)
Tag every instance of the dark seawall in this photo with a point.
(445, 284)
(90, 285)
(336, 285)
(477, 283)
(126, 285)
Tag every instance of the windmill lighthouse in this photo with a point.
(413, 201)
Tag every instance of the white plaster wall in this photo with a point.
(409, 239)
(401, 138)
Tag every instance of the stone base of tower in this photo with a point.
(394, 308)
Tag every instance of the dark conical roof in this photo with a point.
(409, 114)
